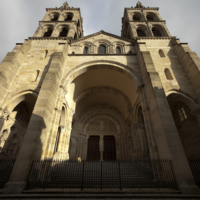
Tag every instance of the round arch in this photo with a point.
(16, 99)
(98, 64)
(93, 90)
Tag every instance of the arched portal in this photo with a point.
(101, 96)
(20, 110)
(187, 122)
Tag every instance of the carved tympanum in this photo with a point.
(101, 125)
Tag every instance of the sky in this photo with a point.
(19, 19)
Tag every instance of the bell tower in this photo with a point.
(63, 22)
(143, 21)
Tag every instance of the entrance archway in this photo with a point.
(187, 123)
(103, 92)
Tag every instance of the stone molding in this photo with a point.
(143, 8)
(105, 33)
(134, 54)
(155, 38)
(138, 81)
(98, 89)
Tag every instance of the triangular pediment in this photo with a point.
(106, 36)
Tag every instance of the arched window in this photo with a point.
(118, 50)
(156, 32)
(48, 32)
(69, 17)
(55, 18)
(182, 111)
(140, 32)
(168, 74)
(136, 18)
(102, 49)
(64, 32)
(85, 51)
(161, 53)
(150, 17)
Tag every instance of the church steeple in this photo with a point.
(63, 22)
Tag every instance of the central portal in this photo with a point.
(109, 149)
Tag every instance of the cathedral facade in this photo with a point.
(100, 97)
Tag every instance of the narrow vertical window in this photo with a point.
(85, 51)
(102, 49)
(168, 74)
(161, 53)
(118, 50)
(182, 114)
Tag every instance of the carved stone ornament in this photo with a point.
(101, 125)
(139, 5)
(65, 6)
(4, 113)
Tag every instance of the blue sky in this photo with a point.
(19, 18)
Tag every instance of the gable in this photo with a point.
(92, 42)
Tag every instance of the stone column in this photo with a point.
(35, 139)
(164, 129)
(101, 147)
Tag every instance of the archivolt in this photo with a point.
(93, 90)
(16, 99)
(105, 116)
(102, 64)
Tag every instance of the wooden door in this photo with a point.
(109, 148)
(93, 148)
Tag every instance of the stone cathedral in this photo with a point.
(100, 97)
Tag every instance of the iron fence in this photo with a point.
(101, 175)
(195, 168)
(6, 167)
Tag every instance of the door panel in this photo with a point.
(93, 148)
(109, 148)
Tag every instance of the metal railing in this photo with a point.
(6, 167)
(101, 175)
(195, 168)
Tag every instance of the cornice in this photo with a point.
(55, 21)
(105, 33)
(49, 38)
(148, 8)
(134, 54)
(61, 9)
(147, 21)
(155, 38)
